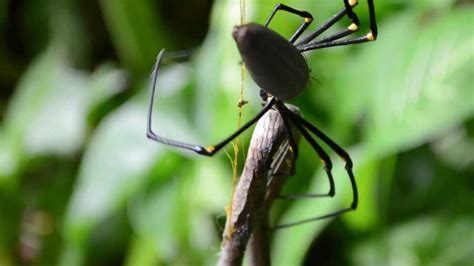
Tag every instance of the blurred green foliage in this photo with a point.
(81, 185)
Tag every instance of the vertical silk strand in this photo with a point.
(241, 103)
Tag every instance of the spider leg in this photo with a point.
(335, 147)
(308, 18)
(291, 138)
(279, 159)
(355, 23)
(208, 151)
(327, 168)
(211, 150)
(325, 159)
(347, 10)
(150, 133)
(290, 145)
(327, 216)
(301, 124)
(333, 40)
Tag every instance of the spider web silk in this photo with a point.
(236, 143)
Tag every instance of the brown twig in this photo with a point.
(269, 161)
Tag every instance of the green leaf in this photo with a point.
(195, 194)
(9, 159)
(429, 89)
(47, 112)
(153, 219)
(105, 82)
(136, 32)
(428, 240)
(141, 252)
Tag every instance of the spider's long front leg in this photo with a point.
(208, 151)
(150, 134)
(308, 18)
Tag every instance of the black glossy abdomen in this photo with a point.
(273, 62)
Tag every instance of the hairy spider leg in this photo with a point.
(208, 151)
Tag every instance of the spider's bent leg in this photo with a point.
(301, 124)
(347, 10)
(353, 27)
(308, 18)
(288, 151)
(291, 137)
(336, 148)
(330, 215)
(319, 150)
(280, 159)
(327, 216)
(209, 151)
(331, 42)
(150, 134)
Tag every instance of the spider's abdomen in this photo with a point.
(272, 61)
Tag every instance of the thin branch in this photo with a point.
(269, 161)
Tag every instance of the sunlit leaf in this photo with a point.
(106, 81)
(141, 252)
(117, 159)
(456, 149)
(47, 111)
(430, 86)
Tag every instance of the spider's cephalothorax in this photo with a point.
(280, 70)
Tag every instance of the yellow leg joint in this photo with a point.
(370, 36)
(210, 149)
(353, 27)
(352, 2)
